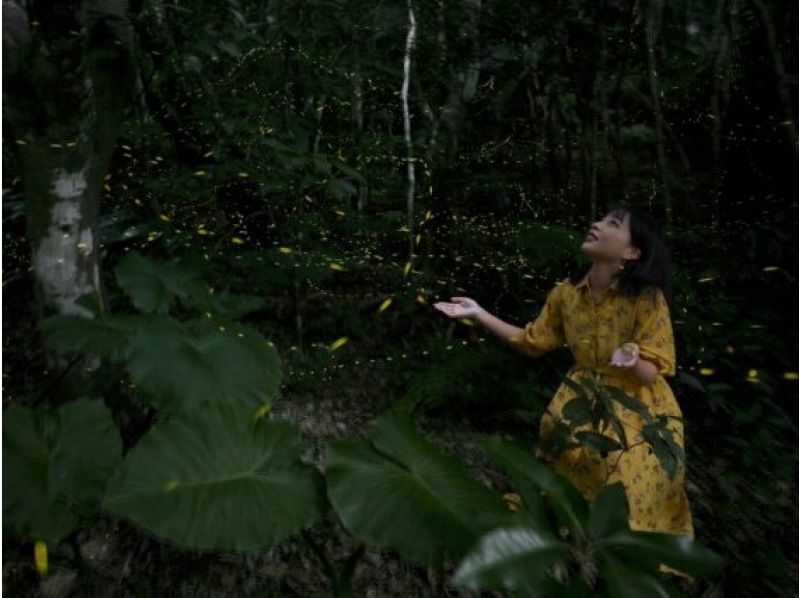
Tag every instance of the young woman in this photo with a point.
(615, 318)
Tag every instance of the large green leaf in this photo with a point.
(403, 493)
(651, 549)
(153, 285)
(217, 477)
(55, 466)
(179, 370)
(103, 336)
(527, 472)
(509, 558)
(609, 512)
(623, 581)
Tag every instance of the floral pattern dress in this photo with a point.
(592, 331)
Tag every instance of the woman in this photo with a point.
(614, 318)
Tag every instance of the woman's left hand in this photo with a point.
(625, 356)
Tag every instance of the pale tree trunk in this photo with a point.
(410, 41)
(64, 97)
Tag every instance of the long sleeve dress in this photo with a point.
(592, 331)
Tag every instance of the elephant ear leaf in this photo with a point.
(179, 370)
(650, 550)
(153, 285)
(55, 467)
(218, 477)
(104, 336)
(529, 473)
(609, 512)
(509, 558)
(623, 581)
(401, 492)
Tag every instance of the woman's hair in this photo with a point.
(651, 269)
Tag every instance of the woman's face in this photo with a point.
(609, 239)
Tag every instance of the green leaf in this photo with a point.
(619, 429)
(218, 477)
(676, 551)
(101, 336)
(403, 493)
(578, 411)
(179, 370)
(623, 581)
(609, 512)
(55, 466)
(509, 558)
(667, 451)
(599, 442)
(557, 441)
(576, 388)
(233, 306)
(527, 472)
(152, 285)
(628, 402)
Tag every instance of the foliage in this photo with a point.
(593, 410)
(55, 466)
(597, 554)
(218, 477)
(399, 491)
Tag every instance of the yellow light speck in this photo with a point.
(385, 305)
(40, 557)
(261, 411)
(338, 343)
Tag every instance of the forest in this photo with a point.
(226, 228)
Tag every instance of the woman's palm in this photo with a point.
(461, 307)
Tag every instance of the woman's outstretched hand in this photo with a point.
(461, 307)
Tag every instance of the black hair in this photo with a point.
(651, 268)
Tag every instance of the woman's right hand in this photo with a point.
(461, 307)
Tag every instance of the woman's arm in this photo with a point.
(502, 329)
(464, 307)
(643, 371)
(544, 334)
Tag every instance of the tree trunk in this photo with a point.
(65, 96)
(410, 42)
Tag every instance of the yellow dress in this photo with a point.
(592, 332)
